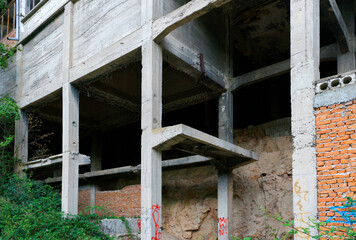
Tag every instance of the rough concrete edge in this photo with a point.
(335, 96)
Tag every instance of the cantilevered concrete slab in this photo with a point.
(187, 139)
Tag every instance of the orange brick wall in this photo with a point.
(83, 200)
(8, 42)
(336, 156)
(125, 202)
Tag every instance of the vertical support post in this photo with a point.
(70, 148)
(151, 160)
(70, 167)
(305, 60)
(346, 61)
(96, 153)
(226, 132)
(21, 140)
(21, 125)
(151, 118)
(225, 179)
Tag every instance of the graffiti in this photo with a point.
(222, 226)
(348, 216)
(155, 215)
(302, 195)
(139, 224)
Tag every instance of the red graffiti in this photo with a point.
(222, 226)
(139, 224)
(155, 215)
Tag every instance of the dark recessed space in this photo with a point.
(328, 68)
(262, 102)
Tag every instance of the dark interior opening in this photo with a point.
(262, 102)
(328, 68)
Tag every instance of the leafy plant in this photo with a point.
(29, 209)
(325, 229)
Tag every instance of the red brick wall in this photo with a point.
(83, 199)
(336, 156)
(125, 202)
(8, 42)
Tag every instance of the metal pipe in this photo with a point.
(17, 38)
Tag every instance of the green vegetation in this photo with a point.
(325, 231)
(6, 52)
(29, 209)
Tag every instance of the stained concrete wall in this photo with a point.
(205, 35)
(42, 62)
(98, 24)
(8, 79)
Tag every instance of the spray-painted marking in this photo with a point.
(222, 226)
(155, 215)
(302, 195)
(348, 215)
(139, 224)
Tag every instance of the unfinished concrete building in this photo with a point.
(189, 114)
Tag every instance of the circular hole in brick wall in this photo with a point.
(335, 83)
(347, 80)
(323, 86)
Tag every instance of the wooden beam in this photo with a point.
(336, 23)
(182, 15)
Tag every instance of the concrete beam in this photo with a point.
(336, 23)
(117, 99)
(305, 60)
(277, 69)
(182, 15)
(54, 160)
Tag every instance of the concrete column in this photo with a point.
(305, 60)
(21, 125)
(70, 121)
(151, 160)
(346, 61)
(225, 179)
(151, 118)
(21, 140)
(70, 167)
(96, 153)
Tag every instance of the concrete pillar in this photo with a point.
(346, 61)
(151, 118)
(70, 121)
(151, 160)
(225, 179)
(305, 60)
(96, 153)
(21, 140)
(70, 167)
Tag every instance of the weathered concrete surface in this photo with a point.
(189, 196)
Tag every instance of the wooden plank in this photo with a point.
(336, 24)
(182, 15)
